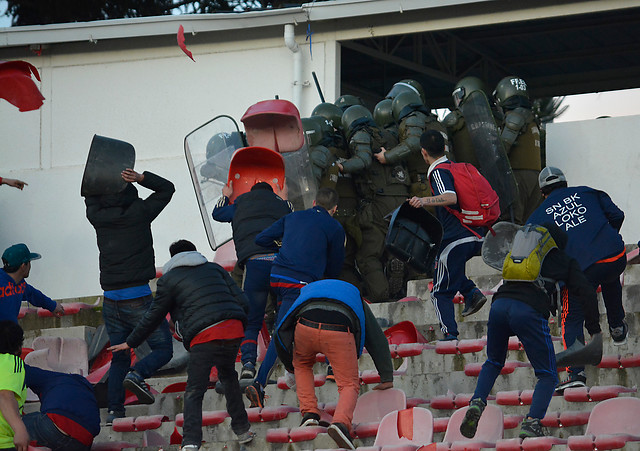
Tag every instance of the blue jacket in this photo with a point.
(69, 395)
(365, 327)
(312, 245)
(12, 295)
(590, 218)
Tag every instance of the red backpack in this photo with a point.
(479, 203)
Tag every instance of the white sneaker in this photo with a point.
(290, 380)
(190, 448)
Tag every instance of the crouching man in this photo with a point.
(331, 317)
(210, 313)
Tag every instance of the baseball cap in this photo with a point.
(549, 176)
(18, 254)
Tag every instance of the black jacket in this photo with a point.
(123, 229)
(197, 293)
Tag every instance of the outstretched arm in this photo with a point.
(13, 182)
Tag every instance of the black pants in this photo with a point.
(202, 357)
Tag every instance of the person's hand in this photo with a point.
(340, 167)
(284, 192)
(21, 438)
(380, 155)
(129, 175)
(384, 386)
(227, 190)
(15, 183)
(416, 202)
(59, 310)
(120, 347)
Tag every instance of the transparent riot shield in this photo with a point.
(208, 150)
(497, 243)
(275, 124)
(494, 164)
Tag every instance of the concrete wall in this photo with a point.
(603, 154)
(150, 95)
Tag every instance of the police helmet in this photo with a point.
(330, 112)
(407, 85)
(316, 128)
(509, 87)
(404, 103)
(549, 176)
(354, 116)
(347, 100)
(382, 113)
(465, 87)
(219, 143)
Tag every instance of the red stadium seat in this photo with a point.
(304, 434)
(490, 429)
(375, 404)
(208, 418)
(512, 421)
(278, 435)
(574, 418)
(408, 426)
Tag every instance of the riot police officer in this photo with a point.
(345, 101)
(382, 187)
(413, 118)
(520, 136)
(315, 129)
(407, 85)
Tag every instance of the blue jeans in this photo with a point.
(221, 354)
(120, 318)
(41, 429)
(257, 288)
(511, 317)
(286, 293)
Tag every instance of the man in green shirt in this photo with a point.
(13, 391)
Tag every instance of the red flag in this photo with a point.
(17, 87)
(181, 43)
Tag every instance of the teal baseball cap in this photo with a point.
(18, 254)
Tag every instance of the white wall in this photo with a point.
(603, 154)
(151, 97)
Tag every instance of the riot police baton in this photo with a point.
(315, 79)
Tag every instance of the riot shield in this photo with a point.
(275, 124)
(484, 134)
(414, 237)
(579, 355)
(107, 159)
(496, 247)
(208, 150)
(251, 165)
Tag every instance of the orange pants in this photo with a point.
(340, 349)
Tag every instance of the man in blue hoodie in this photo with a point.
(69, 417)
(312, 248)
(592, 222)
(14, 288)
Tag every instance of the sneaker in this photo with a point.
(330, 376)
(449, 337)
(190, 448)
(310, 419)
(112, 415)
(619, 334)
(477, 301)
(255, 394)
(246, 437)
(469, 425)
(290, 380)
(574, 380)
(531, 427)
(340, 434)
(136, 385)
(248, 371)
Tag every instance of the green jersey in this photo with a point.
(11, 379)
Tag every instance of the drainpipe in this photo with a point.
(290, 42)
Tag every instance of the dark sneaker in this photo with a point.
(246, 437)
(255, 394)
(619, 334)
(248, 371)
(310, 419)
(469, 425)
(574, 380)
(477, 301)
(112, 415)
(340, 434)
(449, 337)
(531, 427)
(330, 376)
(136, 385)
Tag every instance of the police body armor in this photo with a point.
(461, 145)
(484, 133)
(521, 139)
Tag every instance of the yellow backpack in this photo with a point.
(530, 246)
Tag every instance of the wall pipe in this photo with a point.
(290, 42)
